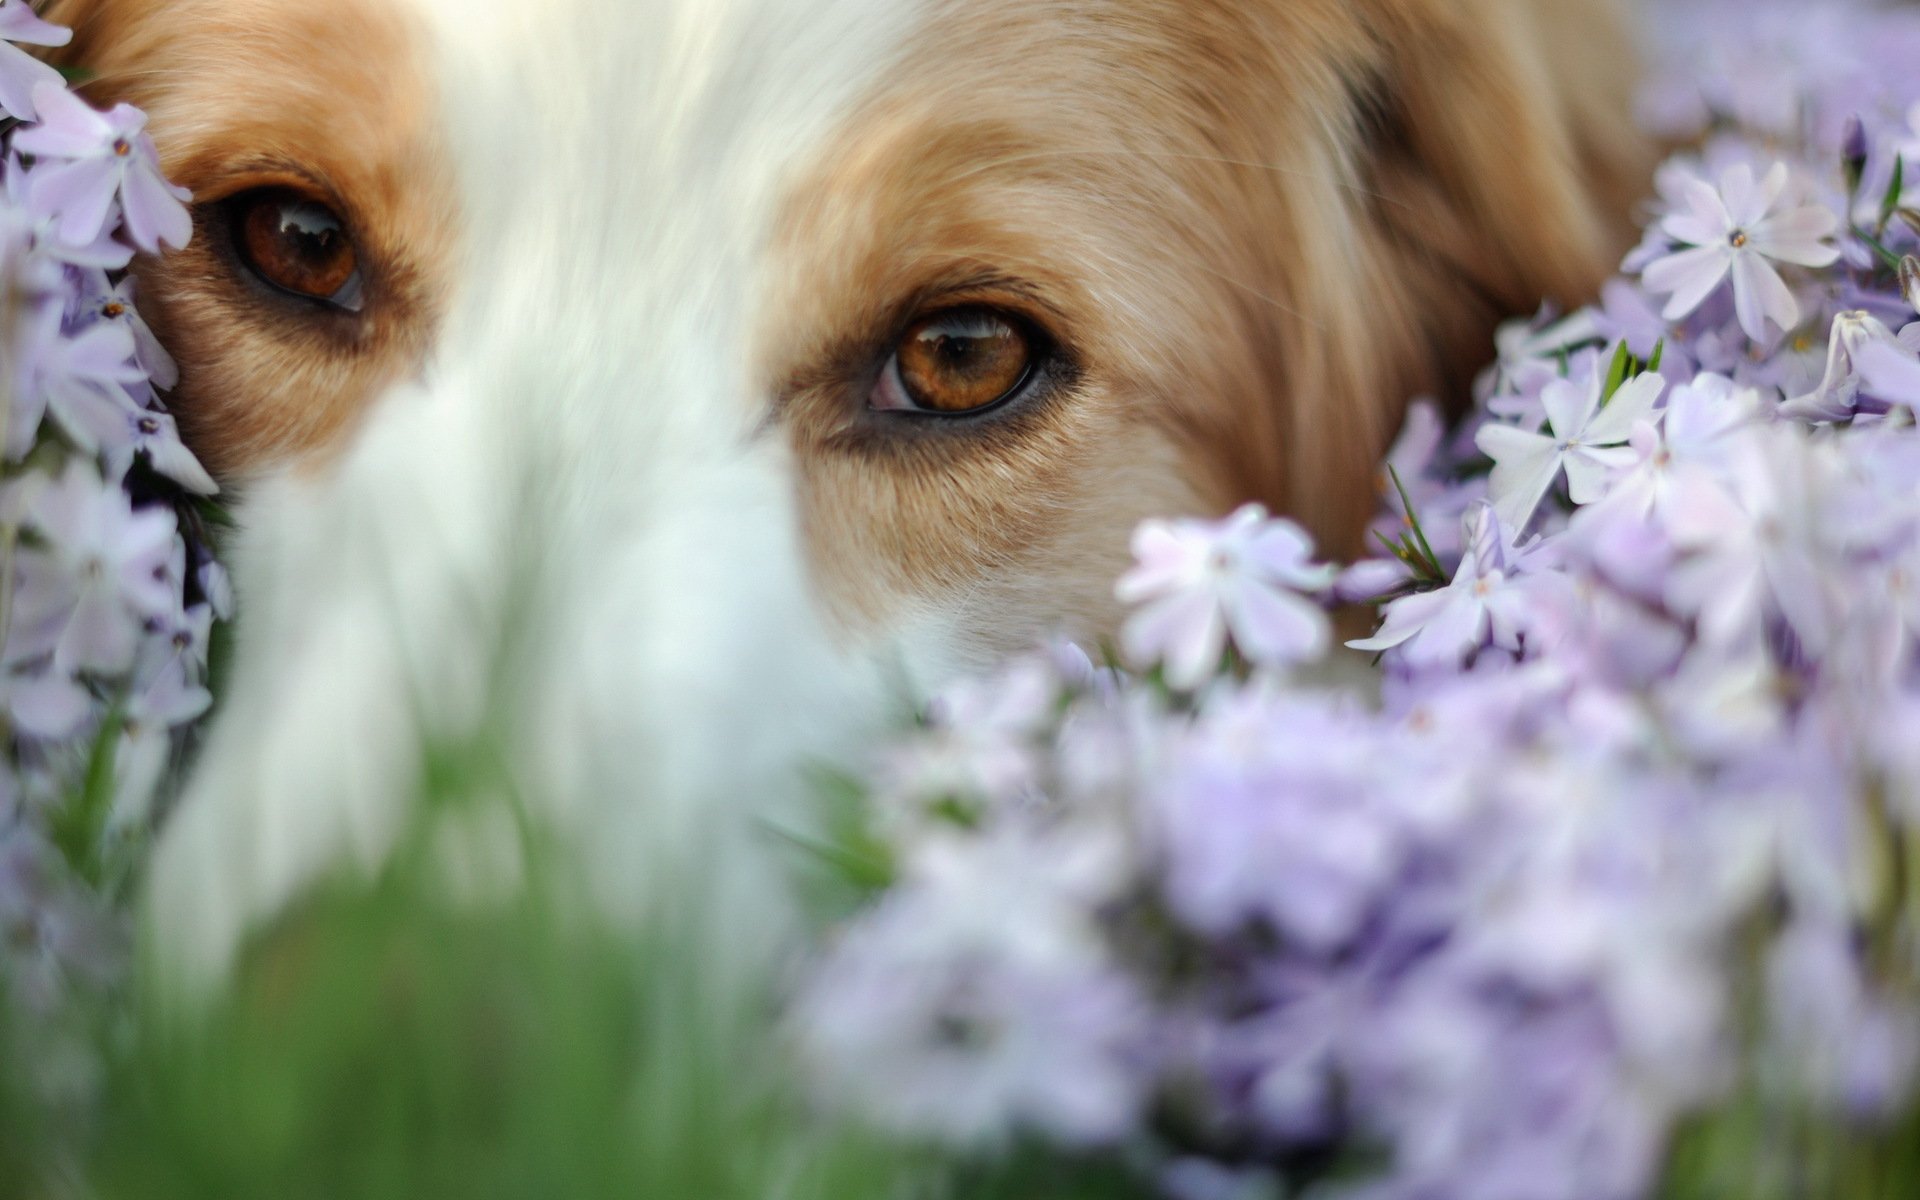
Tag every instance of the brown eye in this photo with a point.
(298, 245)
(958, 362)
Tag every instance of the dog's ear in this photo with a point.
(1476, 158)
(1502, 152)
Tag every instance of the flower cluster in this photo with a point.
(1623, 821)
(108, 595)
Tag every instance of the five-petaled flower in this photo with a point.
(1741, 228)
(1200, 582)
(1588, 438)
(87, 160)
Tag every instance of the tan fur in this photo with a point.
(330, 99)
(1259, 226)
(1254, 227)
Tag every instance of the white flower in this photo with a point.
(1486, 602)
(1838, 392)
(1200, 581)
(1587, 441)
(1680, 454)
(100, 572)
(1736, 229)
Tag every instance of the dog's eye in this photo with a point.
(299, 245)
(958, 362)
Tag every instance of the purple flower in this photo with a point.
(1683, 453)
(40, 232)
(99, 572)
(1740, 229)
(1485, 604)
(88, 161)
(1757, 542)
(942, 1017)
(114, 304)
(1891, 372)
(1269, 813)
(1586, 442)
(80, 381)
(153, 435)
(20, 72)
(46, 704)
(1838, 394)
(1197, 583)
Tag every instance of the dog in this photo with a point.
(656, 390)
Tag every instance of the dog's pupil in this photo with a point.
(961, 355)
(314, 236)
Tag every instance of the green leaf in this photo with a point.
(1618, 373)
(1659, 353)
(80, 824)
(1887, 258)
(1432, 560)
(1891, 200)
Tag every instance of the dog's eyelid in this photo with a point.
(272, 175)
(986, 290)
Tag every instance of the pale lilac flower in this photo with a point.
(153, 435)
(1855, 1050)
(1758, 544)
(1520, 346)
(46, 704)
(1269, 812)
(1740, 229)
(1586, 441)
(1627, 314)
(1839, 392)
(1683, 453)
(977, 1003)
(87, 161)
(1484, 605)
(100, 572)
(980, 745)
(40, 231)
(217, 586)
(80, 381)
(20, 72)
(114, 304)
(1891, 372)
(1198, 583)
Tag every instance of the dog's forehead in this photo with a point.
(626, 160)
(657, 93)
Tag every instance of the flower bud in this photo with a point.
(1853, 152)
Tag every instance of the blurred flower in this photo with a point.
(1198, 583)
(20, 72)
(81, 382)
(99, 572)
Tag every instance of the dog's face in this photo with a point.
(855, 329)
(1047, 268)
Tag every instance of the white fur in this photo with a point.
(582, 477)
